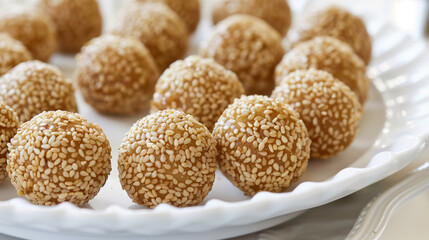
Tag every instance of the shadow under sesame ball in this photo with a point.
(330, 109)
(58, 157)
(33, 87)
(158, 27)
(338, 23)
(8, 126)
(188, 10)
(262, 144)
(116, 75)
(12, 53)
(199, 87)
(76, 21)
(331, 55)
(167, 157)
(247, 46)
(35, 30)
(275, 12)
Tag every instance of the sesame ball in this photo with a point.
(8, 126)
(167, 157)
(341, 24)
(262, 144)
(199, 87)
(76, 21)
(247, 46)
(59, 157)
(330, 110)
(275, 12)
(33, 29)
(12, 52)
(116, 75)
(33, 87)
(159, 28)
(188, 10)
(331, 55)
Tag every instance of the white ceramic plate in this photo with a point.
(389, 138)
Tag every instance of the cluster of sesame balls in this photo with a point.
(243, 104)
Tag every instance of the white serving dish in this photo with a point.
(389, 138)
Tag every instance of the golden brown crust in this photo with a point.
(199, 87)
(33, 29)
(275, 12)
(330, 110)
(262, 144)
(59, 157)
(167, 157)
(9, 124)
(116, 75)
(247, 46)
(12, 53)
(76, 21)
(331, 55)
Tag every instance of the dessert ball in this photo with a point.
(159, 28)
(188, 10)
(247, 46)
(167, 157)
(58, 157)
(33, 87)
(33, 29)
(8, 126)
(330, 110)
(12, 52)
(199, 87)
(262, 144)
(116, 75)
(338, 23)
(76, 21)
(331, 55)
(274, 12)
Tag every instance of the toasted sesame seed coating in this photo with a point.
(59, 157)
(12, 52)
(33, 29)
(341, 24)
(330, 110)
(116, 75)
(188, 10)
(199, 87)
(167, 157)
(247, 46)
(331, 55)
(275, 12)
(76, 21)
(159, 28)
(8, 126)
(262, 144)
(33, 87)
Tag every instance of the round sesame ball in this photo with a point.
(58, 157)
(33, 87)
(8, 126)
(76, 21)
(275, 12)
(247, 46)
(116, 75)
(33, 29)
(188, 10)
(12, 52)
(159, 28)
(262, 144)
(167, 157)
(330, 110)
(341, 24)
(331, 55)
(199, 87)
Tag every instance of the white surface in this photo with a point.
(227, 212)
